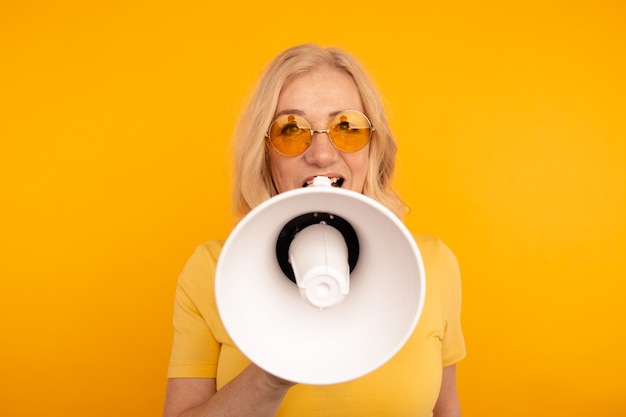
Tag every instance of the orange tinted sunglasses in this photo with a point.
(291, 134)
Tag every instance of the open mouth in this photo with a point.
(334, 182)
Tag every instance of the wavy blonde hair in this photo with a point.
(252, 176)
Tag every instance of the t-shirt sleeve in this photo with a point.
(195, 350)
(453, 343)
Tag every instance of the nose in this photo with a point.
(321, 152)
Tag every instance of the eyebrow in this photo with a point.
(302, 113)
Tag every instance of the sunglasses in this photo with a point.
(349, 131)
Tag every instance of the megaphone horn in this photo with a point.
(351, 259)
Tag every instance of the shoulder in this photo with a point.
(440, 265)
(210, 249)
(434, 249)
(205, 254)
(200, 266)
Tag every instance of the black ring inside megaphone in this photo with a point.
(295, 225)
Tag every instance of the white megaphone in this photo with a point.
(320, 285)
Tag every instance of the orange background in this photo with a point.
(115, 119)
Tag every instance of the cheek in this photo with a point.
(279, 169)
(359, 164)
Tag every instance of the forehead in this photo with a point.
(323, 91)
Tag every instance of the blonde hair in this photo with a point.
(252, 177)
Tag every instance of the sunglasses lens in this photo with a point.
(350, 131)
(290, 134)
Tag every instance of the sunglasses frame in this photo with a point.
(327, 131)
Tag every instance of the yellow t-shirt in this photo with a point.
(407, 385)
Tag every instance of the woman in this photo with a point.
(208, 376)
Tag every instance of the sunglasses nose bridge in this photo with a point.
(327, 131)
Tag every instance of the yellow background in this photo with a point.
(115, 118)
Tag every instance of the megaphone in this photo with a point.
(320, 285)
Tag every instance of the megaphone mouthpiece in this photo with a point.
(300, 223)
(319, 258)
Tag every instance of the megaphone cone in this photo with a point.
(326, 314)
